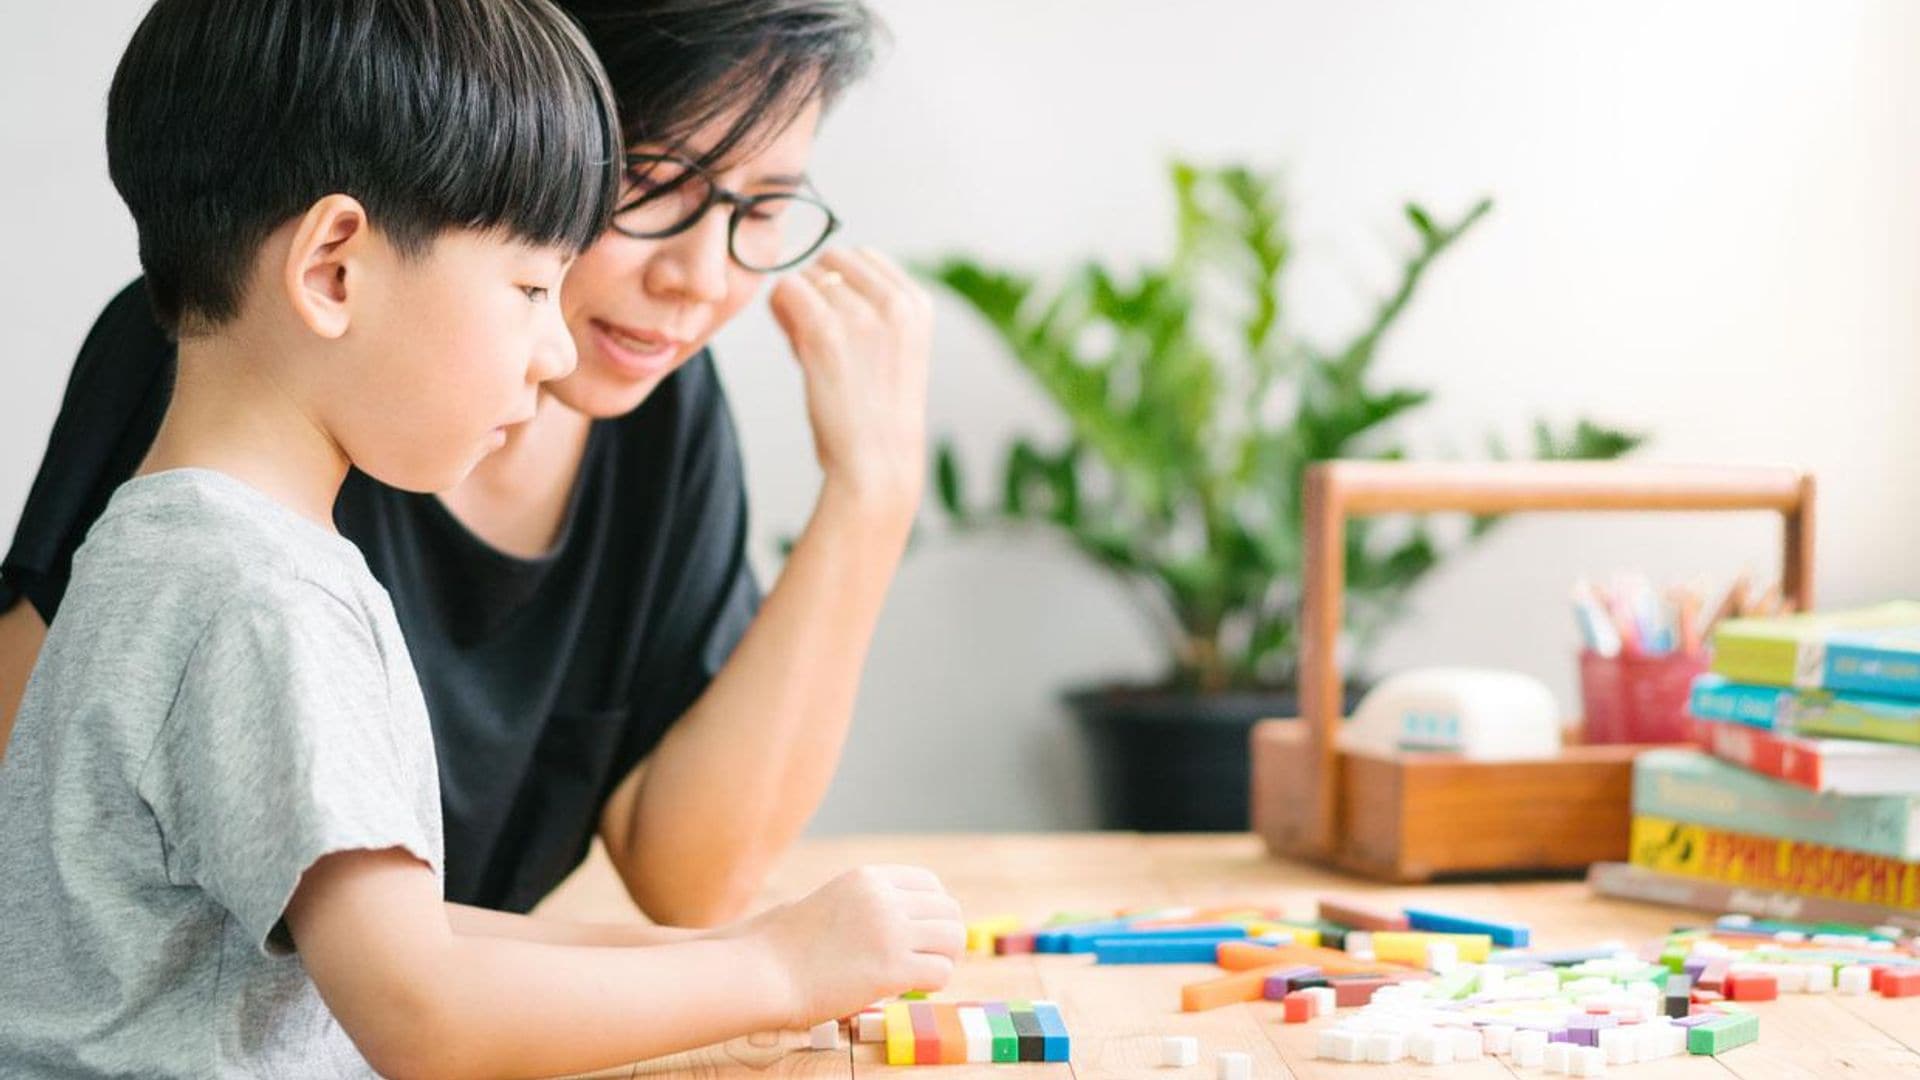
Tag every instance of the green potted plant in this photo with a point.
(1191, 412)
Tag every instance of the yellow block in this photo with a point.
(899, 1033)
(1410, 946)
(1302, 935)
(981, 934)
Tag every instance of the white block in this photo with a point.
(1819, 977)
(1529, 1048)
(1320, 998)
(973, 1021)
(1650, 1041)
(1386, 1047)
(1587, 1061)
(871, 1027)
(1339, 1044)
(1431, 1047)
(1233, 1065)
(1856, 979)
(1789, 937)
(1359, 941)
(1620, 1045)
(1442, 957)
(1877, 945)
(1467, 1044)
(1489, 976)
(1498, 1038)
(1556, 1057)
(1180, 1051)
(824, 1035)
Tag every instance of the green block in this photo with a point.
(1006, 1041)
(1456, 984)
(1719, 1036)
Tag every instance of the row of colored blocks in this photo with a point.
(956, 1033)
(1120, 934)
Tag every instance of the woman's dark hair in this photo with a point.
(228, 117)
(678, 66)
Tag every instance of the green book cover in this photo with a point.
(1871, 650)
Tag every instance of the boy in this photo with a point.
(220, 848)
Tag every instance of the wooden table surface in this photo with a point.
(1117, 1014)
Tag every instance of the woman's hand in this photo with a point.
(863, 333)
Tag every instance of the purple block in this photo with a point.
(1275, 987)
(1694, 1020)
(1694, 968)
(1562, 1035)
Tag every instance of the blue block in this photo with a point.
(1509, 935)
(1082, 941)
(1053, 1031)
(1153, 951)
(1054, 940)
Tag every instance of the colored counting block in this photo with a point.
(824, 1035)
(1587, 1061)
(1529, 1048)
(1277, 985)
(1723, 1033)
(1505, 934)
(1351, 990)
(953, 1037)
(1233, 1065)
(1556, 1056)
(1620, 1045)
(1340, 1044)
(1677, 995)
(1386, 1047)
(1321, 997)
(1410, 946)
(1430, 1046)
(979, 1034)
(1093, 940)
(1855, 979)
(1054, 939)
(1006, 1041)
(1298, 1008)
(870, 1026)
(1442, 957)
(1750, 986)
(1054, 1044)
(900, 1042)
(1361, 916)
(1032, 1040)
(1018, 943)
(1181, 1051)
(926, 1036)
(1498, 1038)
(984, 934)
(1225, 990)
(1817, 978)
(1148, 950)
(1467, 1044)
(1904, 982)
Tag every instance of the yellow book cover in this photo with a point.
(1678, 847)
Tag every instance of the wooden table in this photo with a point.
(1117, 1015)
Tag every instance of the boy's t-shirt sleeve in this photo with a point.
(281, 748)
(115, 398)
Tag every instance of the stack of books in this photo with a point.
(1804, 798)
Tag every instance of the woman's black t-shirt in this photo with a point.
(547, 679)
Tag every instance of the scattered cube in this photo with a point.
(1180, 1051)
(1442, 956)
(1431, 1047)
(1587, 1061)
(871, 1026)
(1903, 982)
(1557, 1056)
(1233, 1065)
(1467, 1044)
(1529, 1048)
(1620, 1045)
(1855, 979)
(824, 1035)
(1386, 1047)
(1298, 1008)
(1341, 1044)
(1498, 1038)
(1321, 997)
(1747, 986)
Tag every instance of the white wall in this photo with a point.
(1706, 228)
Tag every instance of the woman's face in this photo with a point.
(638, 309)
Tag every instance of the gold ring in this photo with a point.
(831, 277)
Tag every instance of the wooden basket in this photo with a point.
(1413, 816)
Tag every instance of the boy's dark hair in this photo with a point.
(679, 65)
(228, 117)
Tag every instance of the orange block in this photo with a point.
(953, 1034)
(1226, 990)
(1245, 956)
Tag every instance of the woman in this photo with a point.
(594, 649)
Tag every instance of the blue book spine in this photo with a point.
(1862, 668)
(1714, 698)
(1153, 951)
(1684, 785)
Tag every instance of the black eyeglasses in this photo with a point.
(667, 195)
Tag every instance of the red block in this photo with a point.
(1354, 990)
(1741, 986)
(1298, 1008)
(1901, 982)
(1705, 997)
(1014, 944)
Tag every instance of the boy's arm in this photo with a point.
(420, 1000)
(471, 921)
(21, 635)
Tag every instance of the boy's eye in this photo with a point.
(536, 293)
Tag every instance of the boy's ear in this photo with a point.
(325, 262)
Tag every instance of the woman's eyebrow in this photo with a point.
(785, 179)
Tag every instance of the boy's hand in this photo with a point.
(867, 934)
(863, 331)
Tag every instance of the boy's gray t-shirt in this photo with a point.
(224, 699)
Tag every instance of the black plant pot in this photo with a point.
(1165, 761)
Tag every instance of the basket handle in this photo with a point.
(1338, 490)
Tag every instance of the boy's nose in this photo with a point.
(554, 356)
